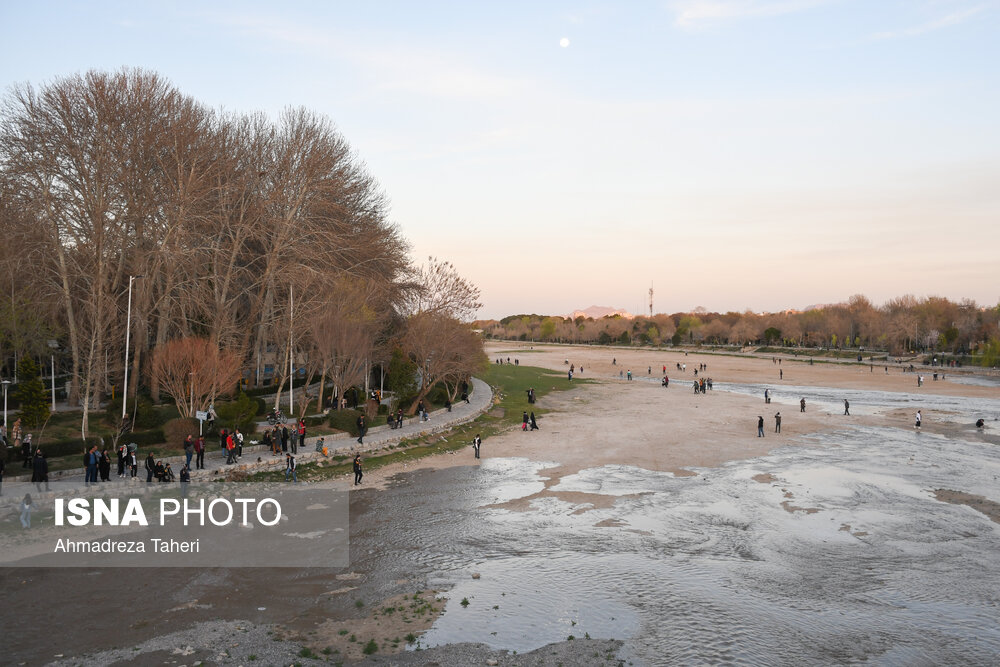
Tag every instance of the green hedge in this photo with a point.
(69, 447)
(315, 420)
(345, 420)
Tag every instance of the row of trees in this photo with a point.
(247, 242)
(900, 325)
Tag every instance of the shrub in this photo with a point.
(315, 420)
(175, 430)
(31, 394)
(237, 413)
(152, 437)
(146, 416)
(345, 420)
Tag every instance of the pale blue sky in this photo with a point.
(758, 154)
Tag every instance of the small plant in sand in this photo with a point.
(465, 602)
(370, 647)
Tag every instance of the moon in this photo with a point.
(564, 42)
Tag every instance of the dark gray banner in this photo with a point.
(229, 524)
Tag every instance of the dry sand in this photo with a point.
(639, 423)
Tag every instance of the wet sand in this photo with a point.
(642, 424)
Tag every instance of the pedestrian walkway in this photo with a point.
(341, 444)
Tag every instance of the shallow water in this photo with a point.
(958, 409)
(846, 556)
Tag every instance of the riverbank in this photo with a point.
(594, 525)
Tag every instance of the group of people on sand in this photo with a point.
(528, 422)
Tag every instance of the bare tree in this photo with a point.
(194, 371)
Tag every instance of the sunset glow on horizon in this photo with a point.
(744, 154)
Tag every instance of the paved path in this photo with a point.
(480, 400)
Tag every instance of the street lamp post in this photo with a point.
(5, 383)
(128, 330)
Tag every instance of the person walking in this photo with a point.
(358, 473)
(26, 508)
(188, 449)
(847, 407)
(104, 466)
(40, 470)
(476, 444)
(760, 426)
(919, 419)
(767, 396)
(362, 427)
(531, 419)
(777, 422)
(781, 374)
(199, 449)
(92, 458)
(290, 468)
(802, 405)
(15, 436)
(524, 421)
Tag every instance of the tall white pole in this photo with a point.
(128, 330)
(291, 352)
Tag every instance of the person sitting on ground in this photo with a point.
(168, 474)
(980, 423)
(158, 471)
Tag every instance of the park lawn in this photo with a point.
(510, 395)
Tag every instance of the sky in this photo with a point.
(732, 154)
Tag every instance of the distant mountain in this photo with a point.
(597, 312)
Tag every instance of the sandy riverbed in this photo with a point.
(642, 424)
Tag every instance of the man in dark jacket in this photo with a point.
(362, 427)
(358, 474)
(150, 467)
(40, 471)
(92, 458)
